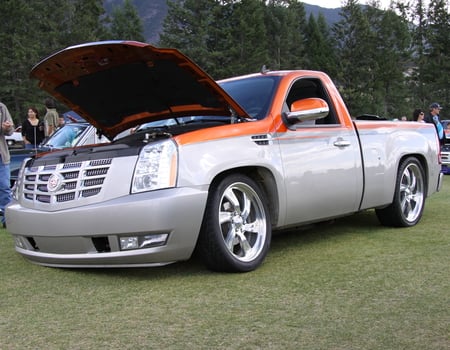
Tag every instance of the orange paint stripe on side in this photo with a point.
(226, 131)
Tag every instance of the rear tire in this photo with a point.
(409, 198)
(236, 229)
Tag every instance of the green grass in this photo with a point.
(352, 284)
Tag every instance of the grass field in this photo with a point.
(352, 284)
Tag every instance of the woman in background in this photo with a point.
(418, 115)
(32, 129)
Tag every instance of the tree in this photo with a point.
(28, 34)
(319, 46)
(436, 69)
(190, 26)
(285, 25)
(430, 65)
(126, 23)
(248, 48)
(356, 63)
(86, 22)
(223, 37)
(390, 50)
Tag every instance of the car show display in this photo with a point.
(240, 158)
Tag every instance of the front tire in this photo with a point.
(236, 229)
(409, 198)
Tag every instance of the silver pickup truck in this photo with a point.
(243, 157)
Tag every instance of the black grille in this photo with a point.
(97, 172)
(91, 192)
(94, 182)
(65, 197)
(71, 175)
(72, 165)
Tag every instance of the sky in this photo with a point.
(338, 3)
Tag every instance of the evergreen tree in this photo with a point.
(88, 21)
(24, 33)
(285, 25)
(190, 26)
(126, 23)
(414, 13)
(248, 48)
(429, 72)
(319, 46)
(28, 33)
(356, 63)
(390, 50)
(224, 38)
(436, 68)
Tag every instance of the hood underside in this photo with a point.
(116, 85)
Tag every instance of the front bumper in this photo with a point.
(88, 236)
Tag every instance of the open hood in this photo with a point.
(116, 85)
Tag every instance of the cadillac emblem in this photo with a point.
(55, 182)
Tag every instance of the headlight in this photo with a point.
(156, 167)
(18, 183)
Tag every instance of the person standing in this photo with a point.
(61, 122)
(433, 117)
(51, 117)
(418, 115)
(7, 128)
(32, 129)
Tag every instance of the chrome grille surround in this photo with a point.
(64, 182)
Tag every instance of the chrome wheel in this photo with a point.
(411, 192)
(236, 229)
(409, 197)
(242, 220)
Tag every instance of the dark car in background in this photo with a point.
(445, 149)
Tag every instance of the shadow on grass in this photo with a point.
(361, 222)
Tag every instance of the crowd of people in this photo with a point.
(34, 131)
(432, 117)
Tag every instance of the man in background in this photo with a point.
(51, 118)
(433, 118)
(6, 129)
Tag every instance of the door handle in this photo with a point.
(340, 142)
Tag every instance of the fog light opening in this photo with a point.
(147, 241)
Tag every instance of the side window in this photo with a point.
(306, 88)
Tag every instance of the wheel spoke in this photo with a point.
(252, 227)
(234, 201)
(244, 243)
(225, 216)
(247, 204)
(406, 206)
(230, 238)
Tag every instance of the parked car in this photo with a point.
(70, 135)
(15, 140)
(445, 148)
(245, 156)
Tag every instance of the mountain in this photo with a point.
(153, 12)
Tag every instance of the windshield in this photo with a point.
(67, 136)
(254, 94)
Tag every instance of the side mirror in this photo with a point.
(307, 109)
